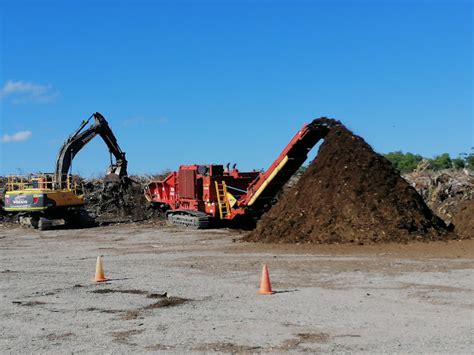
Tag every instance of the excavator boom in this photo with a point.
(81, 137)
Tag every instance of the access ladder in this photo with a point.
(222, 200)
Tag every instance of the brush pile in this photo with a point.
(450, 194)
(117, 201)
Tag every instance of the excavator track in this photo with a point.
(188, 219)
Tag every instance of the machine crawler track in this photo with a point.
(188, 219)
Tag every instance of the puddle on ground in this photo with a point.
(304, 338)
(167, 302)
(109, 290)
(162, 301)
(102, 310)
(227, 348)
(29, 303)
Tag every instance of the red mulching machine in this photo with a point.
(197, 194)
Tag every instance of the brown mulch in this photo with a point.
(349, 193)
(464, 219)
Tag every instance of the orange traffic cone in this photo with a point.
(99, 271)
(265, 286)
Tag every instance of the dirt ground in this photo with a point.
(179, 290)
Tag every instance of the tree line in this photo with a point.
(407, 162)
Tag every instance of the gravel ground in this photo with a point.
(180, 290)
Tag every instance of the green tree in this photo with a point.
(404, 162)
(440, 162)
(469, 159)
(458, 163)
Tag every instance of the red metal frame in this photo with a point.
(193, 186)
(167, 191)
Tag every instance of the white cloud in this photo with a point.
(17, 137)
(24, 91)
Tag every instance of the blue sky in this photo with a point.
(185, 82)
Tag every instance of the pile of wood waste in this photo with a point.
(118, 201)
(449, 193)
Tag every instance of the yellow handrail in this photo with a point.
(40, 181)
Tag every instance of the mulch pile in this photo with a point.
(348, 194)
(464, 219)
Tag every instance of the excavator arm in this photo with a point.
(81, 137)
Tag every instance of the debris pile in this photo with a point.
(449, 193)
(117, 201)
(349, 193)
(3, 215)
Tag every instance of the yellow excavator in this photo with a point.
(39, 199)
